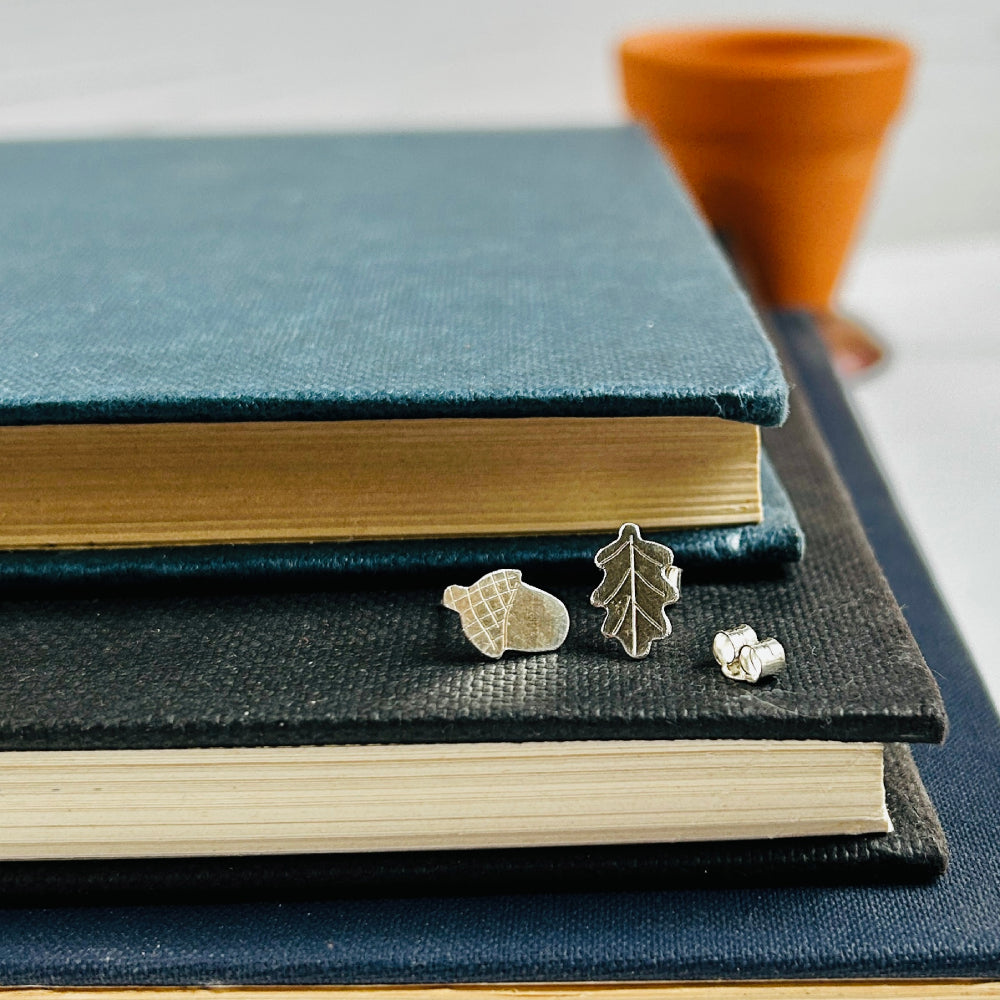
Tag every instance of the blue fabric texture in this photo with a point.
(947, 930)
(535, 273)
(776, 539)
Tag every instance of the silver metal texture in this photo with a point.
(743, 658)
(500, 612)
(762, 659)
(640, 581)
(726, 647)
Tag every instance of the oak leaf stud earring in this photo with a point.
(640, 581)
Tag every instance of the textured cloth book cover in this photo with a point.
(545, 273)
(947, 930)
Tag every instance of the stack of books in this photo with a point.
(262, 399)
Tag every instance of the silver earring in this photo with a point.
(743, 658)
(500, 612)
(726, 648)
(640, 581)
(762, 659)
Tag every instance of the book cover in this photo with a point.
(942, 932)
(312, 277)
(346, 278)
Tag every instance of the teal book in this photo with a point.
(299, 355)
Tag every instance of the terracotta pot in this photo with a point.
(777, 133)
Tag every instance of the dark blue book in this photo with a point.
(946, 931)
(225, 358)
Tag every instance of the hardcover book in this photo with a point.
(216, 351)
(940, 940)
(197, 681)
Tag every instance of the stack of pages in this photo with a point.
(264, 399)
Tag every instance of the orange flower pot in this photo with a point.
(777, 133)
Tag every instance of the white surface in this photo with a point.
(97, 67)
(933, 414)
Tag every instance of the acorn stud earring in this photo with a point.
(500, 612)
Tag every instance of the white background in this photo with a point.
(927, 273)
